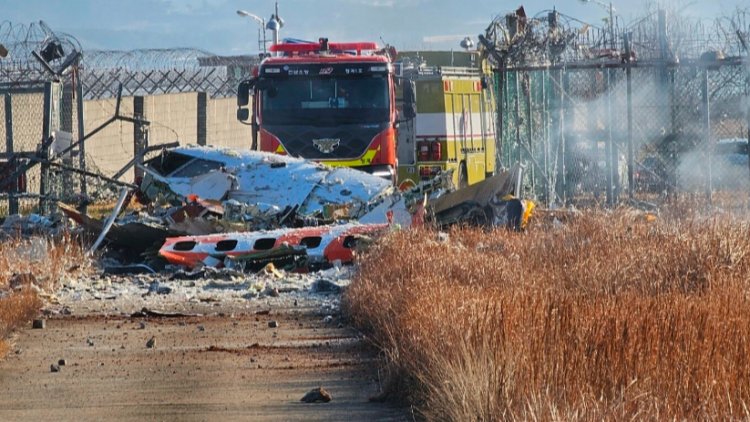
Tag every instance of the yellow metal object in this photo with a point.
(528, 208)
(364, 160)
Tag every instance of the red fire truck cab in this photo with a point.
(328, 102)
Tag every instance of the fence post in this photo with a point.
(202, 118)
(499, 121)
(13, 184)
(140, 140)
(559, 129)
(530, 130)
(545, 134)
(517, 117)
(707, 129)
(568, 114)
(66, 124)
(43, 152)
(81, 134)
(609, 149)
(747, 111)
(631, 154)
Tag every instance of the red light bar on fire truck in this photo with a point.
(315, 47)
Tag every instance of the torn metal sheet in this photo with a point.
(324, 244)
(271, 183)
(474, 204)
(406, 208)
(134, 236)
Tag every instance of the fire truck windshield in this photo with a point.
(326, 100)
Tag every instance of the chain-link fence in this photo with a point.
(35, 74)
(604, 134)
(163, 71)
(66, 136)
(657, 115)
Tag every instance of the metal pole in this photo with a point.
(499, 125)
(631, 154)
(506, 139)
(565, 83)
(707, 128)
(263, 28)
(612, 27)
(558, 130)
(747, 110)
(530, 132)
(545, 134)
(609, 148)
(517, 117)
(13, 183)
(139, 135)
(44, 148)
(81, 145)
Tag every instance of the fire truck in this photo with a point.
(448, 99)
(325, 101)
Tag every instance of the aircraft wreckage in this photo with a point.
(206, 206)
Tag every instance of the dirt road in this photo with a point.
(227, 365)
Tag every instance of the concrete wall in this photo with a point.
(173, 117)
(222, 126)
(111, 148)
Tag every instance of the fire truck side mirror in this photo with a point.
(243, 114)
(410, 100)
(243, 92)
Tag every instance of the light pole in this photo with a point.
(261, 28)
(612, 11)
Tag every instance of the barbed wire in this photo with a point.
(159, 59)
(20, 40)
(553, 37)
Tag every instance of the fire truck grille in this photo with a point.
(325, 143)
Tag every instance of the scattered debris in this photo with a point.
(27, 225)
(54, 368)
(131, 269)
(150, 343)
(145, 312)
(317, 395)
(156, 288)
(489, 203)
(324, 285)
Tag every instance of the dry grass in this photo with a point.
(607, 317)
(43, 263)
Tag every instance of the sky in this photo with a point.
(214, 26)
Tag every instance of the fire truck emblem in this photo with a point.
(326, 145)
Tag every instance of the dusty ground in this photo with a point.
(226, 364)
